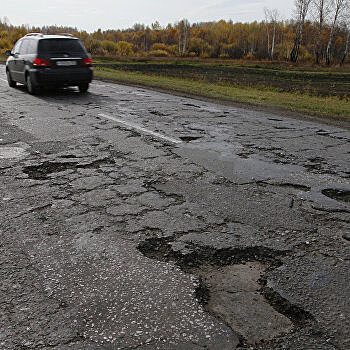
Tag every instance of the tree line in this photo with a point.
(319, 32)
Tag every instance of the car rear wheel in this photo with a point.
(11, 82)
(83, 87)
(32, 89)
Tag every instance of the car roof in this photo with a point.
(40, 36)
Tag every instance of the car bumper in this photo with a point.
(61, 77)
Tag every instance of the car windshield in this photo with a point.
(61, 46)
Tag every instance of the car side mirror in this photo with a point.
(8, 53)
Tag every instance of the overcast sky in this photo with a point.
(119, 14)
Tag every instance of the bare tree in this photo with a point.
(267, 18)
(182, 30)
(272, 17)
(346, 49)
(347, 33)
(337, 6)
(322, 9)
(302, 8)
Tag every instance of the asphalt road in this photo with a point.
(132, 219)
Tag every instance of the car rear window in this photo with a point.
(61, 46)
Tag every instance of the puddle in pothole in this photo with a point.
(337, 194)
(12, 152)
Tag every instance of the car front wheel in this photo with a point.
(83, 87)
(11, 82)
(30, 86)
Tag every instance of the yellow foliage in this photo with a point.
(160, 46)
(5, 45)
(124, 48)
(158, 53)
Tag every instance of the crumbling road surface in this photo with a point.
(132, 219)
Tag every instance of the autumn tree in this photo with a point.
(124, 48)
(199, 47)
(182, 31)
(302, 8)
(346, 25)
(321, 10)
(272, 18)
(337, 7)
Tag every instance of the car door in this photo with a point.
(13, 64)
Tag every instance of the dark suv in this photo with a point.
(39, 60)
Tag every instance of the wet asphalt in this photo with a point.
(134, 219)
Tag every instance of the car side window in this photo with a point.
(23, 50)
(32, 45)
(17, 47)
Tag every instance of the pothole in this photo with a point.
(191, 105)
(68, 156)
(41, 171)
(245, 155)
(12, 152)
(286, 185)
(157, 113)
(189, 138)
(337, 194)
(233, 287)
(296, 186)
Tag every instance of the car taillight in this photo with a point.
(40, 62)
(87, 61)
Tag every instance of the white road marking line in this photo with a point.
(140, 128)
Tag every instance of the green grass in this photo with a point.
(331, 107)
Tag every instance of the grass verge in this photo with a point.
(331, 107)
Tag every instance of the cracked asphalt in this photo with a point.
(134, 219)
